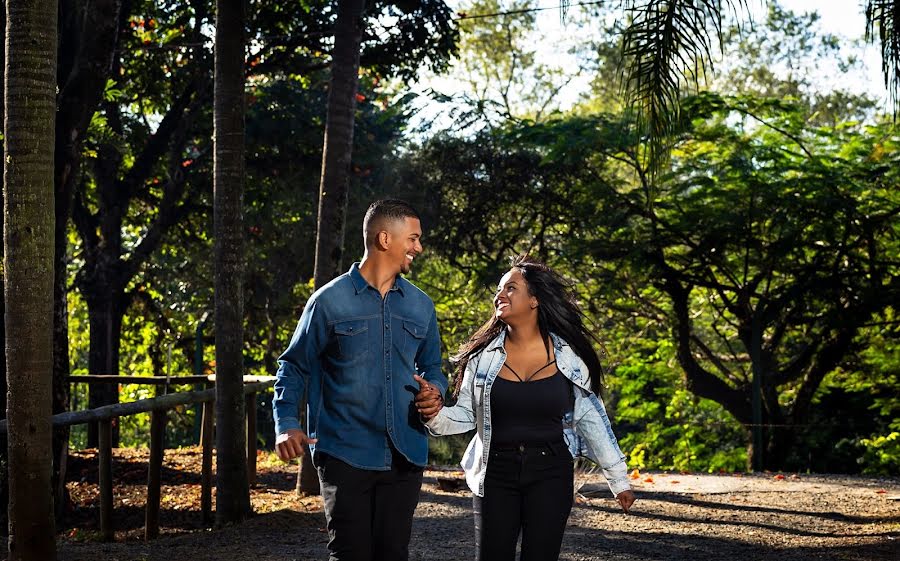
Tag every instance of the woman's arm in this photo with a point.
(461, 417)
(592, 424)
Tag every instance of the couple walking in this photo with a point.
(366, 354)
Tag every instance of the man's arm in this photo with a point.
(428, 359)
(296, 366)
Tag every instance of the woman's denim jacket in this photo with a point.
(586, 429)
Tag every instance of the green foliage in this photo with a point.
(765, 206)
(882, 455)
(759, 215)
(501, 75)
(662, 425)
(668, 47)
(785, 57)
(447, 450)
(144, 200)
(870, 383)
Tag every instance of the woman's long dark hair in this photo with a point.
(557, 313)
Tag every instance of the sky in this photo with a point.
(844, 18)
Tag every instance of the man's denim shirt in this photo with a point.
(355, 354)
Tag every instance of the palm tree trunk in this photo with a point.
(338, 147)
(336, 156)
(232, 487)
(30, 105)
(4, 474)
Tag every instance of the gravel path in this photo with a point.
(677, 517)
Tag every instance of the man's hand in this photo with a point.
(429, 399)
(289, 445)
(626, 499)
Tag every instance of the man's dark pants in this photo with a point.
(369, 513)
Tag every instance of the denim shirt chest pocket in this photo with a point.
(413, 336)
(352, 339)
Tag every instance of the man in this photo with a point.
(367, 343)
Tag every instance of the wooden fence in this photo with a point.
(157, 407)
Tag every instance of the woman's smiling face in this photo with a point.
(512, 299)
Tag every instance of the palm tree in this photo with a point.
(338, 148)
(883, 16)
(232, 487)
(669, 43)
(30, 105)
(336, 154)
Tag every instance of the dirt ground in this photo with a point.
(779, 517)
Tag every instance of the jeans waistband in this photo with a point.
(554, 445)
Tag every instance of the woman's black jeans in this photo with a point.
(527, 488)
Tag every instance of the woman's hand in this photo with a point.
(626, 499)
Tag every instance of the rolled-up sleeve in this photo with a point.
(461, 417)
(592, 424)
(297, 365)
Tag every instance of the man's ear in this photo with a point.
(383, 239)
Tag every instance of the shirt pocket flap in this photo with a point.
(350, 327)
(414, 329)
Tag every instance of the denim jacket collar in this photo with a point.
(498, 341)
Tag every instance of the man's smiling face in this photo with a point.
(406, 242)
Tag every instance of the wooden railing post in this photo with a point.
(206, 440)
(154, 491)
(250, 407)
(104, 417)
(106, 482)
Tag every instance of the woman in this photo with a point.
(529, 386)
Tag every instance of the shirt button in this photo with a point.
(387, 326)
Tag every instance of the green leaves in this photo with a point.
(758, 221)
(668, 43)
(883, 17)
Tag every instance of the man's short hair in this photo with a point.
(382, 212)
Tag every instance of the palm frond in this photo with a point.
(883, 18)
(668, 45)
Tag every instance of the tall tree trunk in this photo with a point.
(105, 314)
(338, 145)
(4, 473)
(88, 36)
(109, 263)
(336, 156)
(232, 487)
(30, 105)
